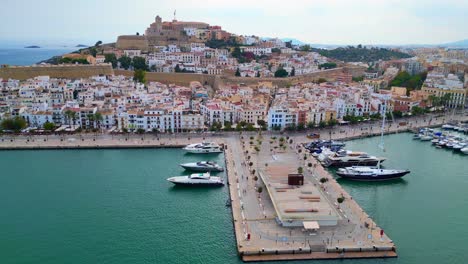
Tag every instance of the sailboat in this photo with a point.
(364, 173)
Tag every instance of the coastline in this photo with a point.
(241, 218)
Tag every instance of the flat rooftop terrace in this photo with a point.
(296, 204)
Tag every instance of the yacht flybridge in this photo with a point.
(204, 147)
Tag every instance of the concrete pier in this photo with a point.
(256, 166)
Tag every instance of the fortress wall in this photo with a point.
(216, 81)
(183, 79)
(55, 71)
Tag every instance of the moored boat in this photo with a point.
(350, 158)
(202, 166)
(361, 173)
(203, 148)
(197, 179)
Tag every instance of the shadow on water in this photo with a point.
(194, 188)
(351, 183)
(203, 156)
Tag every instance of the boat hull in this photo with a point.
(385, 177)
(217, 184)
(199, 169)
(203, 151)
(352, 163)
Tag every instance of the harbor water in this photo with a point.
(115, 206)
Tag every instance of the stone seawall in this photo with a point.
(55, 71)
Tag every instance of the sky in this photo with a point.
(342, 22)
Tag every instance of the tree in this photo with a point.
(260, 189)
(111, 58)
(49, 126)
(300, 170)
(275, 50)
(140, 131)
(332, 122)
(98, 117)
(93, 51)
(139, 76)
(321, 80)
(322, 124)
(323, 180)
(250, 127)
(98, 43)
(281, 73)
(306, 48)
(311, 125)
(227, 126)
(237, 74)
(416, 110)
(445, 99)
(293, 72)
(139, 63)
(125, 62)
(70, 116)
(340, 199)
(358, 79)
(15, 124)
(300, 126)
(327, 65)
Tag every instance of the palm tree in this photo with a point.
(98, 117)
(91, 119)
(70, 115)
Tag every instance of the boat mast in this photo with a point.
(384, 110)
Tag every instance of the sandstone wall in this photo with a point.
(55, 71)
(218, 80)
(174, 78)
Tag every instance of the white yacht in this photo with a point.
(464, 150)
(204, 147)
(350, 158)
(197, 179)
(460, 145)
(360, 173)
(202, 166)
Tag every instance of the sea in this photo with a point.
(115, 206)
(20, 56)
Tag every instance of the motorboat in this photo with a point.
(362, 173)
(426, 137)
(204, 147)
(202, 166)
(316, 145)
(197, 179)
(349, 158)
(448, 126)
(464, 150)
(460, 145)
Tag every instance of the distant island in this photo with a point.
(81, 46)
(32, 47)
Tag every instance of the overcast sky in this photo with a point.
(313, 21)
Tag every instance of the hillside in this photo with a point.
(361, 54)
(457, 44)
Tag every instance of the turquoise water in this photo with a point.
(23, 56)
(115, 206)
